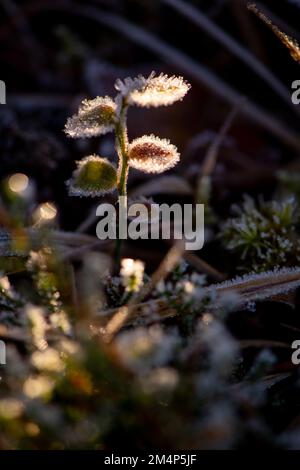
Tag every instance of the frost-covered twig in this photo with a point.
(290, 43)
(258, 287)
(278, 20)
(249, 288)
(212, 29)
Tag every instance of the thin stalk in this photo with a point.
(121, 143)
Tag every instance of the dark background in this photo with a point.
(52, 56)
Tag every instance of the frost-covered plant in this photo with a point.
(95, 175)
(185, 293)
(132, 274)
(119, 289)
(263, 235)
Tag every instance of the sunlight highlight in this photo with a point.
(18, 183)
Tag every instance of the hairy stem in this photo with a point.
(122, 144)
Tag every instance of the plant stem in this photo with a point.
(118, 255)
(121, 143)
(122, 186)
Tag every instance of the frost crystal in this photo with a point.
(259, 286)
(95, 117)
(153, 91)
(264, 235)
(151, 154)
(94, 176)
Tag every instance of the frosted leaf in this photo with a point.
(95, 117)
(151, 154)
(94, 176)
(153, 91)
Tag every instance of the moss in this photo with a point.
(263, 235)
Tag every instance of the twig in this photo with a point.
(289, 42)
(223, 38)
(277, 20)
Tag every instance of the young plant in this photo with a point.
(95, 176)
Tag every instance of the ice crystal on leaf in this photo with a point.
(100, 115)
(153, 91)
(95, 117)
(151, 154)
(255, 286)
(94, 176)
